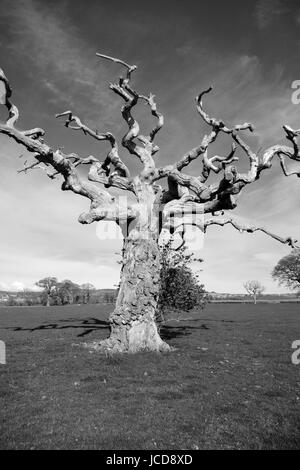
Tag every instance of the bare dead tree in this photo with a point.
(183, 203)
(254, 288)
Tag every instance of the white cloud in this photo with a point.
(101, 275)
(18, 286)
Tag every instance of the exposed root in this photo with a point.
(114, 346)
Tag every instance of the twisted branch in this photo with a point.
(5, 94)
(208, 163)
(186, 193)
(112, 157)
(65, 165)
(131, 97)
(282, 151)
(249, 229)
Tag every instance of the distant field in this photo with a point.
(229, 384)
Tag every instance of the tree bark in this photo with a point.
(132, 323)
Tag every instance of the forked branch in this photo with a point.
(112, 157)
(62, 164)
(131, 97)
(186, 194)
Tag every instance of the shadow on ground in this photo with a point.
(89, 325)
(227, 383)
(168, 332)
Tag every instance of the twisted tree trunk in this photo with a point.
(132, 323)
(133, 326)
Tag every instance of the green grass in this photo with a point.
(229, 384)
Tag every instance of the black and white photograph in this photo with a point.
(150, 227)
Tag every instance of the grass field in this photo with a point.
(229, 384)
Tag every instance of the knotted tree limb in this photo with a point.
(249, 229)
(208, 163)
(130, 68)
(282, 151)
(160, 118)
(223, 195)
(184, 188)
(63, 164)
(131, 98)
(5, 94)
(256, 166)
(219, 126)
(196, 184)
(112, 157)
(285, 170)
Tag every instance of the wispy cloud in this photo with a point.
(57, 56)
(267, 12)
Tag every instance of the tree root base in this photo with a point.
(115, 346)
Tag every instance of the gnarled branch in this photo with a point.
(282, 151)
(113, 156)
(249, 229)
(202, 150)
(33, 141)
(5, 94)
(183, 190)
(131, 97)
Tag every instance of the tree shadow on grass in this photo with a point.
(92, 324)
(88, 325)
(169, 332)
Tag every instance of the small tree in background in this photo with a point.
(68, 292)
(86, 290)
(109, 297)
(49, 284)
(179, 288)
(287, 270)
(254, 288)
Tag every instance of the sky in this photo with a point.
(248, 51)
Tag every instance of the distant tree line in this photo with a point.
(66, 292)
